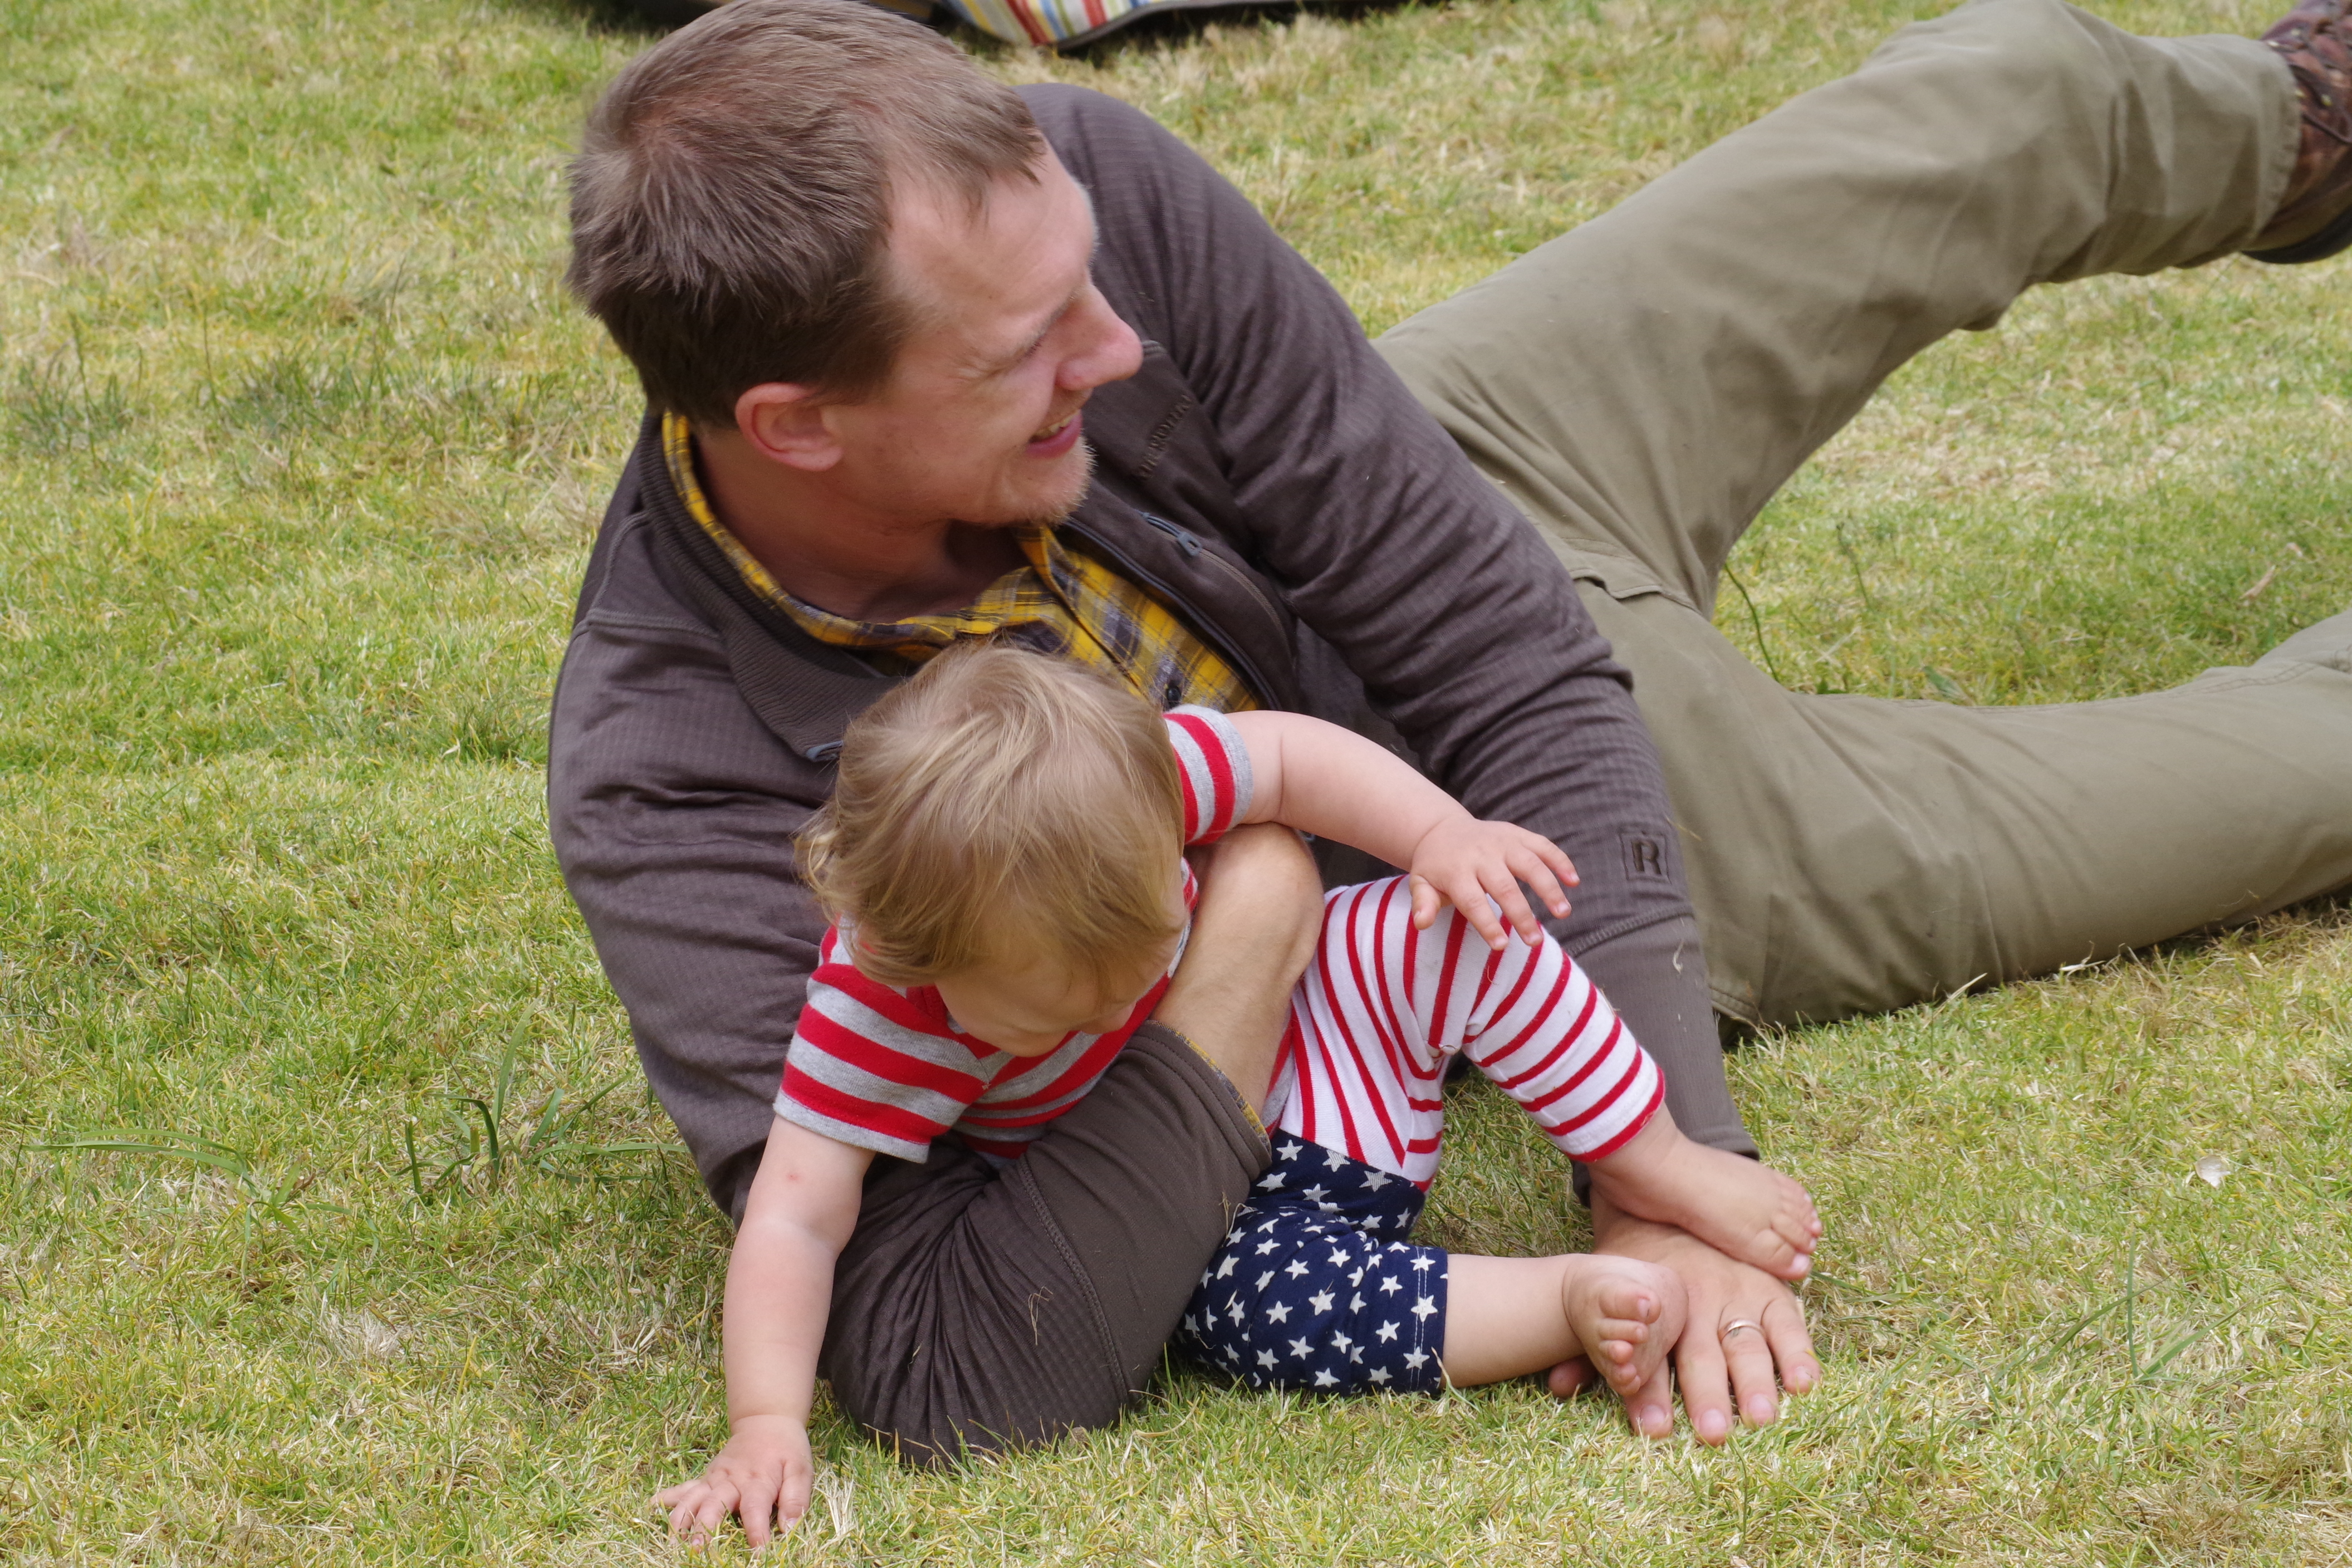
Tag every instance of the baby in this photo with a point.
(1003, 861)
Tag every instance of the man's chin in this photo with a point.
(1070, 483)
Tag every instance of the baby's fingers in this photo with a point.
(1531, 867)
(698, 1513)
(798, 1482)
(1477, 905)
(1426, 901)
(1504, 889)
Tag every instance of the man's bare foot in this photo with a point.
(1748, 1211)
(1627, 1315)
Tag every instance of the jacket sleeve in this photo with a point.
(1388, 544)
(672, 811)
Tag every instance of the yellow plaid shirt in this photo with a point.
(1064, 602)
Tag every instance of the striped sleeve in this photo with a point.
(868, 1067)
(1544, 1033)
(1214, 767)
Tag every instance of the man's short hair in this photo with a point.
(998, 796)
(730, 204)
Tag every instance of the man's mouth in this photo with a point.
(1055, 439)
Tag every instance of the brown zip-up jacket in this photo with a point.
(1272, 481)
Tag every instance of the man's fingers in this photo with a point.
(1705, 1383)
(1749, 1357)
(1651, 1408)
(1792, 1346)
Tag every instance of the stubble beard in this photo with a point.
(1080, 480)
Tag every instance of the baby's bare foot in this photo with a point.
(1627, 1314)
(1748, 1211)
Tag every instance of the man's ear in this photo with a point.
(785, 423)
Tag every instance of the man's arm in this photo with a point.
(1435, 592)
(672, 811)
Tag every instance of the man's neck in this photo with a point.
(864, 565)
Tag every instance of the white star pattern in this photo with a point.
(1317, 1248)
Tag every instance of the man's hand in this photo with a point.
(1743, 1324)
(764, 1472)
(1466, 862)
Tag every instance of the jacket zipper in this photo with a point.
(1193, 548)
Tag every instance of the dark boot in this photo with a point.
(2315, 219)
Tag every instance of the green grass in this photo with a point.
(302, 450)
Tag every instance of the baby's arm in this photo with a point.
(1333, 783)
(802, 1205)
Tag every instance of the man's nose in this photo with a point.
(1112, 352)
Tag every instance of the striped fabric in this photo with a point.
(1384, 1007)
(885, 1068)
(1055, 24)
(1064, 603)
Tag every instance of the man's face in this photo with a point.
(980, 422)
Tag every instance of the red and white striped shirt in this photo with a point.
(1384, 1007)
(884, 1068)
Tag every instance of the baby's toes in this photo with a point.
(1632, 1302)
(1777, 1255)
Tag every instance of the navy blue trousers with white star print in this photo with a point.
(1316, 1286)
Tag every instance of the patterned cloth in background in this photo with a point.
(1064, 603)
(1059, 23)
(1316, 1286)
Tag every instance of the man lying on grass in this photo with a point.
(930, 360)
(1003, 860)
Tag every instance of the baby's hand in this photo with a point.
(764, 1471)
(1466, 862)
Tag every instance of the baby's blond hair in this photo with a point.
(999, 789)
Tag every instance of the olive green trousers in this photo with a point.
(1640, 385)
